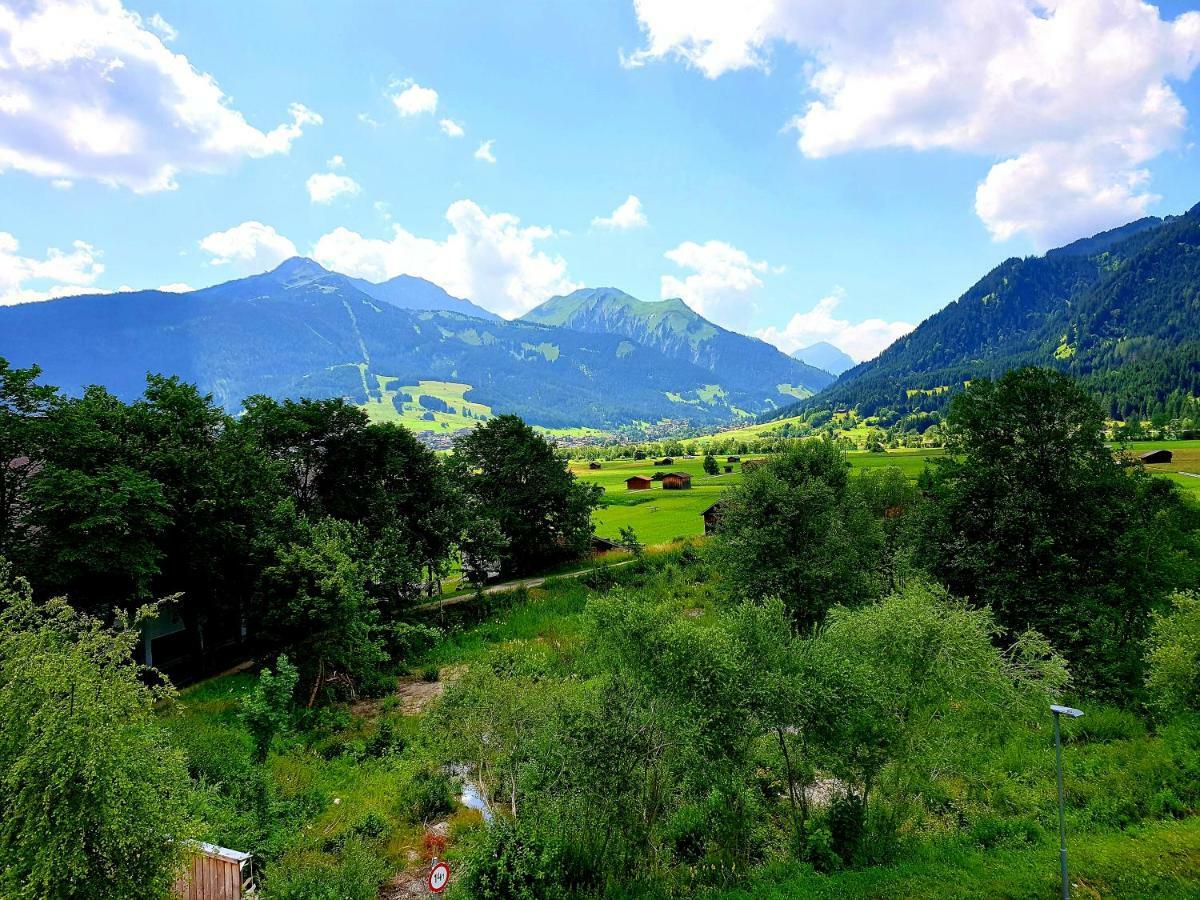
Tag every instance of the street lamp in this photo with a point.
(1060, 711)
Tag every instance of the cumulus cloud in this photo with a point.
(451, 128)
(25, 279)
(484, 152)
(252, 246)
(410, 99)
(723, 282)
(490, 258)
(1071, 95)
(861, 340)
(325, 187)
(162, 27)
(628, 215)
(87, 91)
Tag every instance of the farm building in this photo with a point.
(676, 481)
(728, 469)
(216, 874)
(603, 545)
(1157, 456)
(593, 465)
(712, 516)
(638, 483)
(733, 459)
(665, 461)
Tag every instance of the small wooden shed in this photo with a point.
(216, 873)
(593, 465)
(676, 481)
(603, 545)
(712, 516)
(733, 459)
(1157, 456)
(638, 483)
(665, 461)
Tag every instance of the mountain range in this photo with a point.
(1120, 311)
(401, 347)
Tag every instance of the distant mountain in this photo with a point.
(410, 292)
(1119, 310)
(739, 364)
(825, 356)
(301, 330)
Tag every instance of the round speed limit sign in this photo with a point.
(439, 877)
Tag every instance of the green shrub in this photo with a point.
(990, 832)
(425, 796)
(847, 825)
(1173, 660)
(386, 740)
(509, 864)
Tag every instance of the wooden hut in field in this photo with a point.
(638, 483)
(216, 873)
(603, 545)
(676, 481)
(593, 465)
(712, 516)
(665, 461)
(1157, 456)
(728, 469)
(733, 459)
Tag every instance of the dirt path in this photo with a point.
(518, 584)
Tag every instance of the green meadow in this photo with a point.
(659, 515)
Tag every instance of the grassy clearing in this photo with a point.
(1158, 860)
(387, 406)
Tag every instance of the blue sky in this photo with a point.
(849, 225)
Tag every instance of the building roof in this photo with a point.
(716, 506)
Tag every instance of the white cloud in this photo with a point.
(89, 92)
(490, 258)
(628, 215)
(366, 119)
(451, 128)
(335, 162)
(411, 99)
(57, 274)
(1039, 84)
(723, 282)
(162, 28)
(484, 152)
(255, 247)
(176, 287)
(862, 340)
(325, 187)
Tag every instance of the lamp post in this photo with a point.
(1060, 711)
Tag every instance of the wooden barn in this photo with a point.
(665, 461)
(216, 874)
(733, 459)
(593, 465)
(638, 483)
(728, 469)
(676, 481)
(603, 545)
(1157, 456)
(712, 516)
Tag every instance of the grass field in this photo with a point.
(382, 406)
(658, 516)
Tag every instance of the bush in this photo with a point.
(426, 796)
(509, 863)
(408, 640)
(847, 824)
(1173, 661)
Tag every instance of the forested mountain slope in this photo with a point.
(676, 330)
(1120, 311)
(303, 331)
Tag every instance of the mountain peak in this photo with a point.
(298, 268)
(826, 356)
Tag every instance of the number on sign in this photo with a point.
(439, 877)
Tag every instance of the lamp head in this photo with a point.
(1066, 711)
